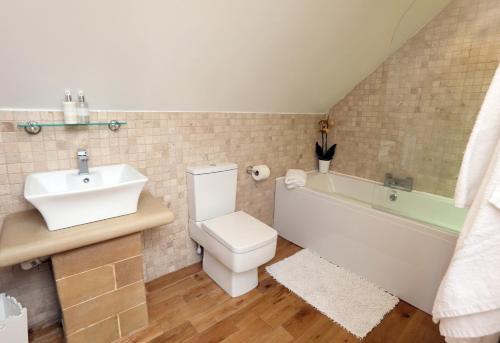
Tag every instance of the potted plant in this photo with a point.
(325, 154)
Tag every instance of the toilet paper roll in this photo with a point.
(260, 172)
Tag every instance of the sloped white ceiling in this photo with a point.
(199, 55)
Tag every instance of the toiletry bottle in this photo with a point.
(82, 109)
(69, 106)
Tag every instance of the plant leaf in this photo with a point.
(330, 152)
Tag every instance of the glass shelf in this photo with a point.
(33, 127)
(94, 123)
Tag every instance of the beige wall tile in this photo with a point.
(133, 319)
(82, 259)
(102, 307)
(160, 145)
(414, 114)
(90, 284)
(102, 332)
(128, 271)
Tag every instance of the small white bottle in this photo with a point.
(69, 106)
(82, 108)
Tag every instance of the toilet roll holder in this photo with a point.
(250, 171)
(258, 174)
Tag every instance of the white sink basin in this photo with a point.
(66, 199)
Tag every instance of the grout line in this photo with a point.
(137, 305)
(115, 315)
(128, 309)
(102, 294)
(91, 325)
(119, 325)
(103, 265)
(114, 276)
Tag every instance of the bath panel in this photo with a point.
(339, 217)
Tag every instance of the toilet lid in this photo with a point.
(240, 232)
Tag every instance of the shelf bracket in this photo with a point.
(114, 125)
(32, 128)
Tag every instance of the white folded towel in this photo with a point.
(295, 178)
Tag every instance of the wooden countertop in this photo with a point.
(24, 235)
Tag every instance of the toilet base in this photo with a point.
(235, 284)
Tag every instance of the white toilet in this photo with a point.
(234, 243)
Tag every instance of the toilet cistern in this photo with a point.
(83, 161)
(234, 243)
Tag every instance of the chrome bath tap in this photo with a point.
(83, 161)
(405, 184)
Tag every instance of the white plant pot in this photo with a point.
(324, 166)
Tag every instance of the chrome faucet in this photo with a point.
(83, 161)
(405, 184)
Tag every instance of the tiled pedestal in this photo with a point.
(101, 290)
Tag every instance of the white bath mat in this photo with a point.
(346, 298)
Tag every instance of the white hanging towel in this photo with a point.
(482, 142)
(467, 304)
(295, 178)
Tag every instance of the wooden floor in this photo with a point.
(186, 306)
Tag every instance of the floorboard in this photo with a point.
(187, 306)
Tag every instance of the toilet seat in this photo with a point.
(239, 232)
(235, 245)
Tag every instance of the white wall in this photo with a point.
(198, 55)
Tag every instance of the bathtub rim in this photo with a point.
(435, 196)
(422, 226)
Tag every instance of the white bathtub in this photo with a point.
(403, 246)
